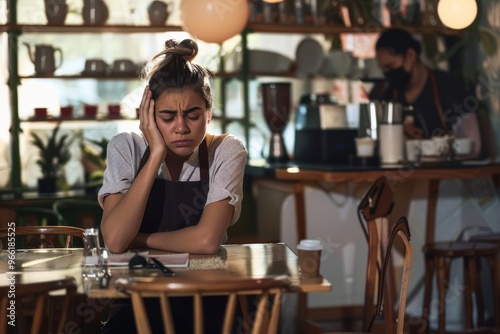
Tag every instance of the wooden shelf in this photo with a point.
(79, 29)
(110, 76)
(253, 27)
(77, 119)
(337, 29)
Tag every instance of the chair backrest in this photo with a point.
(376, 204)
(266, 318)
(33, 215)
(40, 232)
(78, 212)
(402, 230)
(40, 293)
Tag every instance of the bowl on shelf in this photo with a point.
(95, 66)
(259, 61)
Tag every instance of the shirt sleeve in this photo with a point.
(227, 172)
(123, 154)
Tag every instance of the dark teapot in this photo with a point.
(95, 12)
(158, 13)
(44, 58)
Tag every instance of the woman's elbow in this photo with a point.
(209, 245)
(112, 243)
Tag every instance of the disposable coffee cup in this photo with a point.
(309, 252)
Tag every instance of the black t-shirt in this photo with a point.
(452, 97)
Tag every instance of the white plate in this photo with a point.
(309, 56)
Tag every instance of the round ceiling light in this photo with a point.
(457, 14)
(214, 21)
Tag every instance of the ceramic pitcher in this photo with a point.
(56, 11)
(44, 58)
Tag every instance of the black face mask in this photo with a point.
(398, 77)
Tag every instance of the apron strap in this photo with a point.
(437, 102)
(203, 160)
(435, 92)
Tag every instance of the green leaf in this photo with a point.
(430, 46)
(488, 41)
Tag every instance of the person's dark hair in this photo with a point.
(398, 41)
(172, 68)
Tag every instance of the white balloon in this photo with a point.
(457, 14)
(214, 21)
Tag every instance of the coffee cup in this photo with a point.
(309, 252)
(413, 149)
(123, 66)
(95, 66)
(90, 111)
(462, 146)
(114, 110)
(365, 147)
(436, 146)
(67, 111)
(40, 112)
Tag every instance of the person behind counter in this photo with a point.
(174, 187)
(435, 101)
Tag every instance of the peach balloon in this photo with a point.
(214, 21)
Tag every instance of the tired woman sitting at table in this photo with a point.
(174, 187)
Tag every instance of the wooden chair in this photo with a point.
(265, 321)
(41, 233)
(402, 230)
(78, 212)
(438, 259)
(376, 205)
(40, 294)
(33, 215)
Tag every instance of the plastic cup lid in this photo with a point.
(310, 244)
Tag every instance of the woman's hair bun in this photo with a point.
(187, 49)
(190, 45)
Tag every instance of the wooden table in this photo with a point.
(299, 174)
(235, 260)
(302, 173)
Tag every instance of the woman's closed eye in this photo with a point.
(190, 116)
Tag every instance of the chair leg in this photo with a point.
(443, 274)
(476, 270)
(494, 264)
(469, 282)
(429, 274)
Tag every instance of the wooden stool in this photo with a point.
(493, 238)
(438, 258)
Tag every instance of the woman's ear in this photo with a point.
(209, 116)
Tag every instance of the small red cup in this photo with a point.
(114, 110)
(90, 111)
(67, 112)
(41, 112)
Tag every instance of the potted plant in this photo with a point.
(94, 163)
(53, 155)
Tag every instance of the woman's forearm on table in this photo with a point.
(204, 238)
(123, 214)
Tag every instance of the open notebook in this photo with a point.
(174, 260)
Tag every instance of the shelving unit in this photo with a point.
(14, 30)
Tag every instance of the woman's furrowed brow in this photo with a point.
(166, 111)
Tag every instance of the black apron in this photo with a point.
(173, 205)
(437, 103)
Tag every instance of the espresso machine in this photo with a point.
(322, 134)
